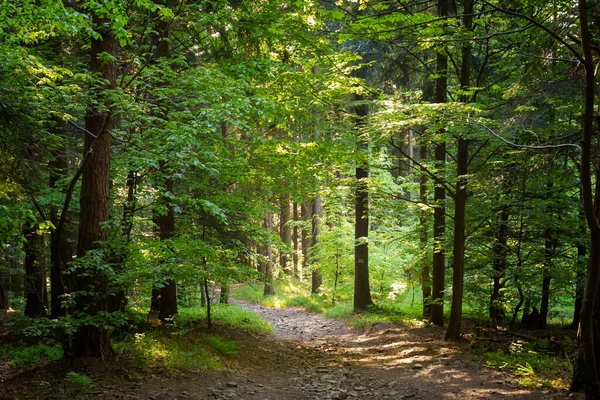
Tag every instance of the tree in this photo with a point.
(362, 290)
(461, 192)
(436, 315)
(589, 332)
(90, 281)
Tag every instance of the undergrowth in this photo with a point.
(25, 356)
(182, 347)
(535, 365)
(174, 353)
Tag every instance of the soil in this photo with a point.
(306, 357)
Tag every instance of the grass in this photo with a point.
(224, 314)
(79, 380)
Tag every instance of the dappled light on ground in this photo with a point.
(387, 362)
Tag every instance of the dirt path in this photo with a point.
(319, 358)
(308, 357)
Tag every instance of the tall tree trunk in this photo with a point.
(295, 267)
(285, 234)
(166, 222)
(34, 274)
(586, 362)
(549, 248)
(208, 302)
(458, 261)
(317, 215)
(269, 289)
(362, 290)
(461, 193)
(94, 340)
(61, 250)
(425, 268)
(166, 228)
(306, 240)
(499, 265)
(4, 280)
(579, 283)
(118, 300)
(439, 195)
(428, 96)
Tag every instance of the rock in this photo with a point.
(417, 366)
(231, 384)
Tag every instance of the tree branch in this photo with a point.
(539, 25)
(523, 146)
(423, 168)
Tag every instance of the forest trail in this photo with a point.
(307, 357)
(311, 357)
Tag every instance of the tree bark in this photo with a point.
(306, 240)
(439, 194)
(34, 274)
(461, 194)
(166, 228)
(94, 340)
(579, 283)
(285, 234)
(4, 280)
(295, 267)
(61, 250)
(549, 247)
(499, 265)
(362, 290)
(166, 222)
(586, 355)
(317, 214)
(458, 261)
(118, 299)
(423, 241)
(269, 289)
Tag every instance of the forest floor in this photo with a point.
(306, 357)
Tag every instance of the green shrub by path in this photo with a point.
(25, 356)
(182, 347)
(164, 349)
(535, 367)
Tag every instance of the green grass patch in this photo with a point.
(224, 348)
(79, 380)
(383, 312)
(225, 314)
(25, 356)
(535, 368)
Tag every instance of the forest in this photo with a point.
(176, 174)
